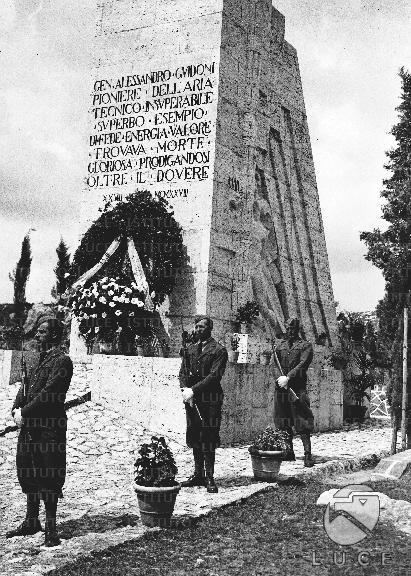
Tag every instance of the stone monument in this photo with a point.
(201, 102)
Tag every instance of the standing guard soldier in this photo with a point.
(41, 417)
(292, 404)
(200, 375)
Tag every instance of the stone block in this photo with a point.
(394, 466)
(218, 77)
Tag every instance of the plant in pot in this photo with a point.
(156, 486)
(246, 314)
(266, 352)
(359, 387)
(267, 451)
(234, 352)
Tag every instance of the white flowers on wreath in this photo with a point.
(105, 299)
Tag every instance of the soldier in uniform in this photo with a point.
(294, 355)
(41, 417)
(201, 371)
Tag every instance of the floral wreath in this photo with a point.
(126, 265)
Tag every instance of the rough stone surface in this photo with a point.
(100, 508)
(247, 197)
(146, 391)
(394, 466)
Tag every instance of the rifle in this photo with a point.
(184, 338)
(304, 409)
(68, 406)
(23, 371)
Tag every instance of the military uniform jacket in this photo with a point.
(203, 372)
(294, 361)
(44, 405)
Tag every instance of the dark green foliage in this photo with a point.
(272, 440)
(388, 250)
(157, 237)
(357, 354)
(19, 277)
(247, 312)
(62, 270)
(155, 465)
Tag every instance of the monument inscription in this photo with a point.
(153, 128)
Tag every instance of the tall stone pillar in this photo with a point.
(201, 102)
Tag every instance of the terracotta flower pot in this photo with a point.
(157, 504)
(266, 464)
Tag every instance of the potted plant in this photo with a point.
(234, 352)
(156, 486)
(359, 387)
(246, 314)
(268, 450)
(266, 353)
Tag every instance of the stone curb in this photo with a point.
(343, 466)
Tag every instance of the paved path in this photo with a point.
(100, 508)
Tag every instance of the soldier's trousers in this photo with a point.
(289, 413)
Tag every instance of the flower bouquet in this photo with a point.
(234, 352)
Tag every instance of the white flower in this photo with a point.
(153, 294)
(135, 301)
(110, 292)
(128, 290)
(131, 314)
(93, 315)
(103, 300)
(104, 314)
(111, 304)
(126, 300)
(140, 304)
(118, 313)
(116, 298)
(104, 279)
(85, 316)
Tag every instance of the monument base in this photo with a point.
(146, 391)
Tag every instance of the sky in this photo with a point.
(350, 52)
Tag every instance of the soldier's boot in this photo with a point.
(51, 538)
(197, 478)
(209, 458)
(308, 459)
(31, 524)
